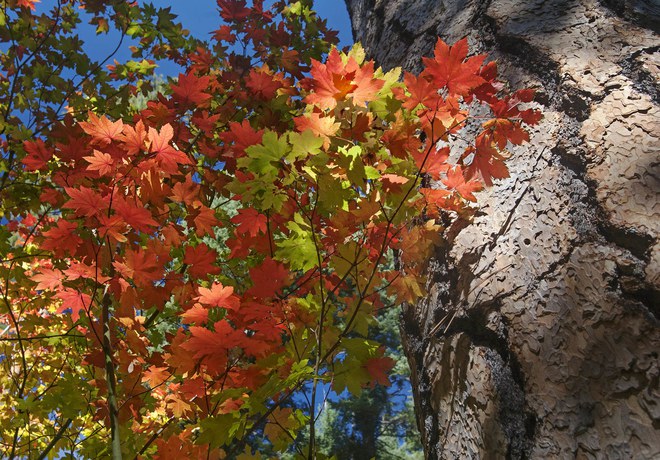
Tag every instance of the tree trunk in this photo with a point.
(549, 336)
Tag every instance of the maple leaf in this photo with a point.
(233, 10)
(378, 369)
(249, 220)
(433, 164)
(455, 180)
(366, 86)
(204, 219)
(155, 376)
(185, 192)
(241, 136)
(102, 130)
(422, 91)
(218, 296)
(322, 126)
(450, 68)
(38, 155)
(487, 161)
(168, 157)
(48, 279)
(262, 84)
(530, 116)
(73, 301)
(200, 260)
(332, 81)
(204, 342)
(197, 314)
(113, 227)
(28, 4)
(504, 131)
(137, 217)
(268, 278)
(101, 162)
(80, 270)
(133, 138)
(140, 265)
(62, 238)
(392, 183)
(179, 408)
(190, 90)
(85, 201)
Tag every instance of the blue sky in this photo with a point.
(201, 18)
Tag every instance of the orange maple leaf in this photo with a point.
(155, 376)
(219, 296)
(450, 68)
(102, 130)
(101, 162)
(322, 126)
(133, 138)
(455, 180)
(48, 279)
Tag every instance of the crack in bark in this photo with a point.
(643, 80)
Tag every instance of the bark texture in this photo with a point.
(549, 336)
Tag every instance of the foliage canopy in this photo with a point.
(173, 275)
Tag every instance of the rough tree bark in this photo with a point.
(552, 348)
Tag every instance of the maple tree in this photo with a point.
(173, 276)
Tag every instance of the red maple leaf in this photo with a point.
(62, 238)
(268, 278)
(73, 301)
(201, 260)
(190, 90)
(204, 219)
(422, 91)
(433, 164)
(85, 201)
(378, 369)
(48, 279)
(450, 68)
(141, 265)
(113, 227)
(262, 84)
(38, 154)
(487, 161)
(249, 220)
(138, 217)
(167, 156)
(233, 10)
